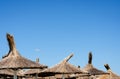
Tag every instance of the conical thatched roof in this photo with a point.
(13, 60)
(91, 69)
(111, 74)
(64, 67)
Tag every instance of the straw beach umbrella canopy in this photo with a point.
(91, 69)
(13, 60)
(111, 74)
(63, 68)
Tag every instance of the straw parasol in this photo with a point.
(13, 60)
(91, 69)
(63, 68)
(111, 74)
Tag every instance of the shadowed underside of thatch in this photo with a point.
(33, 71)
(6, 72)
(9, 72)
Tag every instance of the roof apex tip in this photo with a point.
(90, 58)
(68, 57)
(107, 66)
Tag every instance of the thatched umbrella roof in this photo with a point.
(13, 60)
(64, 67)
(111, 74)
(91, 69)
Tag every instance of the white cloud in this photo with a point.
(37, 50)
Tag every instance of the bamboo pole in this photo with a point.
(36, 75)
(67, 58)
(63, 76)
(15, 74)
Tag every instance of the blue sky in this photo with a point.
(52, 29)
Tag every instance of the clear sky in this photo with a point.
(52, 29)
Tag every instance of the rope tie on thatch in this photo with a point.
(107, 66)
(67, 58)
(90, 58)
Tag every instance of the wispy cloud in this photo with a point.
(37, 50)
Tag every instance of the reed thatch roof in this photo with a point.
(13, 60)
(64, 67)
(111, 74)
(91, 69)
